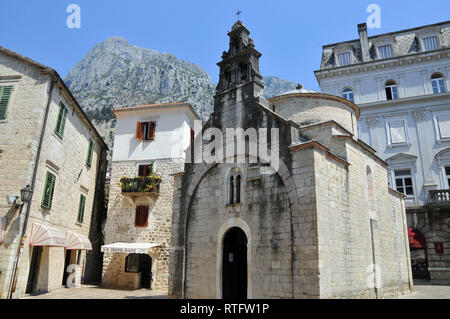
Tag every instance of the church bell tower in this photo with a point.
(240, 65)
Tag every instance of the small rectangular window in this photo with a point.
(132, 263)
(444, 125)
(81, 208)
(397, 131)
(403, 182)
(5, 95)
(385, 51)
(344, 58)
(90, 153)
(439, 248)
(145, 131)
(61, 121)
(430, 43)
(438, 85)
(141, 219)
(447, 174)
(49, 189)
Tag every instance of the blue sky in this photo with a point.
(289, 33)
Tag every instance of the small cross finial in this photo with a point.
(238, 13)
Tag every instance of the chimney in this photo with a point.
(364, 41)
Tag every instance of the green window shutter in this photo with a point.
(61, 121)
(49, 189)
(90, 153)
(81, 208)
(5, 95)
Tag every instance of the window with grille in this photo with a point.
(385, 51)
(61, 121)
(430, 43)
(438, 84)
(81, 208)
(5, 96)
(439, 248)
(145, 131)
(403, 182)
(49, 189)
(141, 219)
(347, 93)
(344, 58)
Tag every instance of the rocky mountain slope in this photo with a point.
(117, 74)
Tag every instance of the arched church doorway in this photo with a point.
(419, 256)
(234, 271)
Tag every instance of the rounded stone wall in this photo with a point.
(312, 108)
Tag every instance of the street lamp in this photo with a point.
(25, 196)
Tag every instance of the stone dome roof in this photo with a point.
(299, 90)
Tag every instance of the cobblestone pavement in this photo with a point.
(96, 292)
(421, 291)
(427, 291)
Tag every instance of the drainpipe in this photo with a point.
(33, 181)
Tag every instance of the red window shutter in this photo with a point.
(141, 219)
(192, 135)
(151, 131)
(139, 134)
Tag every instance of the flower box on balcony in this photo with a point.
(140, 186)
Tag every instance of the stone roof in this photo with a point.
(157, 106)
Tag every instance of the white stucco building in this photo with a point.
(149, 147)
(400, 81)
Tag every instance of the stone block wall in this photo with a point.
(65, 158)
(120, 224)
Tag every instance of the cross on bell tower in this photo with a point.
(240, 64)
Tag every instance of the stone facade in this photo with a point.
(165, 153)
(120, 225)
(29, 149)
(407, 131)
(314, 228)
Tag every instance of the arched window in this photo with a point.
(438, 83)
(231, 190)
(370, 188)
(234, 186)
(347, 93)
(391, 90)
(238, 189)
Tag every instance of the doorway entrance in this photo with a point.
(145, 268)
(419, 255)
(234, 271)
(34, 269)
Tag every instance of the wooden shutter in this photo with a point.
(139, 131)
(49, 189)
(192, 135)
(61, 121)
(151, 131)
(81, 208)
(141, 219)
(5, 94)
(90, 152)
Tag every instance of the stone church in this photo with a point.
(325, 224)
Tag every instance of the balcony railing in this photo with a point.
(439, 196)
(140, 186)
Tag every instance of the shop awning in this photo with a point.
(2, 229)
(129, 248)
(43, 235)
(76, 241)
